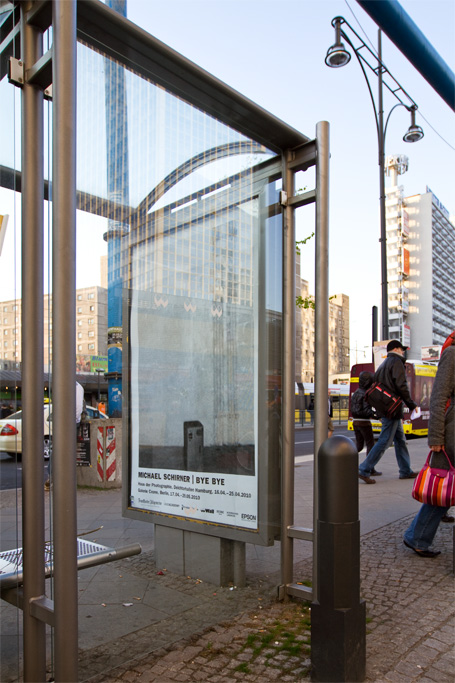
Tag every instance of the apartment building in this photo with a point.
(91, 325)
(338, 336)
(420, 264)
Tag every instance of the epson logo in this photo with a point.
(250, 517)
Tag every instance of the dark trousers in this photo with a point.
(363, 435)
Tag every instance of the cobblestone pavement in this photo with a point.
(244, 634)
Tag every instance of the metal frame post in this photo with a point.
(383, 232)
(321, 317)
(64, 339)
(34, 636)
(287, 393)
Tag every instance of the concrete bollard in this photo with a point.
(338, 615)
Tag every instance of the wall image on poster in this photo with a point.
(192, 409)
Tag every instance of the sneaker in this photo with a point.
(411, 475)
(448, 519)
(376, 474)
(367, 480)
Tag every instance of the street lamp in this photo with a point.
(338, 56)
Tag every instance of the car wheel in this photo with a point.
(47, 447)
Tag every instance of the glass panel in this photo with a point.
(173, 206)
(188, 206)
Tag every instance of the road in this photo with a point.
(11, 471)
(304, 439)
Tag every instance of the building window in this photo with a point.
(79, 348)
(5, 344)
(92, 308)
(90, 321)
(79, 322)
(91, 296)
(79, 310)
(5, 332)
(5, 321)
(79, 335)
(15, 342)
(91, 346)
(14, 308)
(91, 334)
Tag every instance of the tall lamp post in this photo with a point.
(370, 63)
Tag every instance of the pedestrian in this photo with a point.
(422, 530)
(392, 375)
(311, 410)
(330, 421)
(362, 413)
(79, 411)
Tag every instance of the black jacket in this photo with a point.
(360, 409)
(392, 374)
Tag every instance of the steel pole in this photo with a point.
(383, 239)
(64, 335)
(288, 388)
(321, 384)
(32, 198)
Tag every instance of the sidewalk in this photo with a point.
(139, 622)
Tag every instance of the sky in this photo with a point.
(272, 51)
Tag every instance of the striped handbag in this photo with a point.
(435, 486)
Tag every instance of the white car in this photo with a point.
(11, 430)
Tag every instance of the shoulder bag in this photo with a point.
(382, 400)
(435, 486)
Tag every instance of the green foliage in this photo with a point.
(304, 241)
(305, 302)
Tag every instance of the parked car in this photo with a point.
(11, 430)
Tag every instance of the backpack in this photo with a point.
(359, 406)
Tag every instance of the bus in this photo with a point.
(420, 377)
(304, 402)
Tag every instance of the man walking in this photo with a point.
(391, 374)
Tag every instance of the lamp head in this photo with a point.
(414, 132)
(337, 55)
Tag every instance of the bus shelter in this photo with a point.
(191, 188)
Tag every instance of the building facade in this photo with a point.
(338, 341)
(420, 264)
(91, 325)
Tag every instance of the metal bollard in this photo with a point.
(338, 615)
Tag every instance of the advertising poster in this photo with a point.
(406, 269)
(424, 378)
(405, 222)
(192, 409)
(83, 445)
(430, 354)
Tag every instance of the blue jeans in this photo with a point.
(392, 430)
(422, 530)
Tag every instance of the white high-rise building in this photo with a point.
(420, 264)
